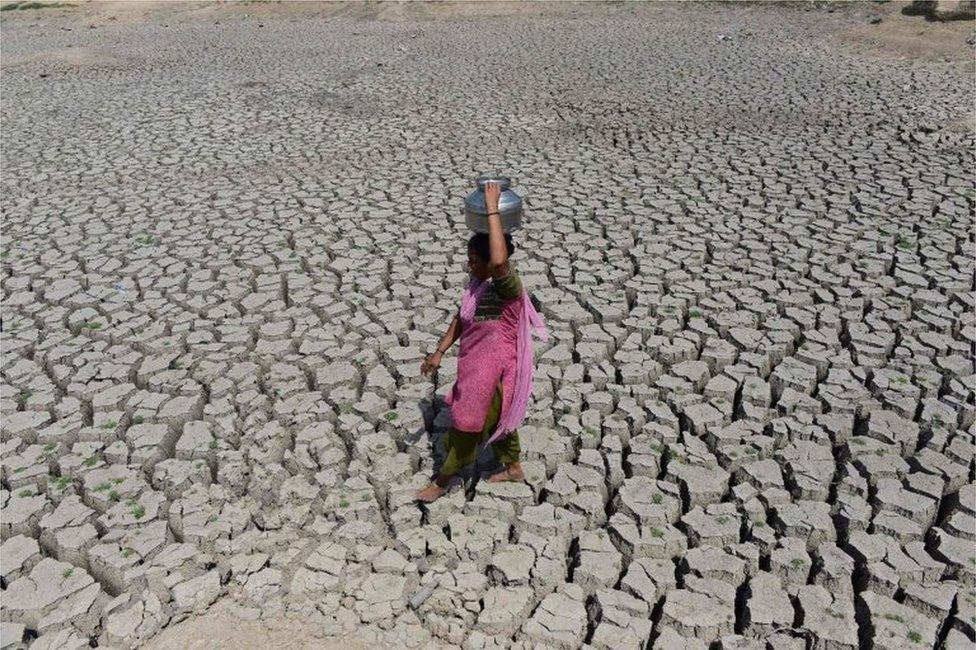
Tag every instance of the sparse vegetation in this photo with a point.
(23, 6)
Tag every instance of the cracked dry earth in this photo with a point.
(227, 247)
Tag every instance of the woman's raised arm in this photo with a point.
(498, 264)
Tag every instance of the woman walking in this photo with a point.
(495, 364)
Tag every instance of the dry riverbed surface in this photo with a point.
(231, 234)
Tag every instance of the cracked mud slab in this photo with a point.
(229, 241)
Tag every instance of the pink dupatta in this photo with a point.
(530, 322)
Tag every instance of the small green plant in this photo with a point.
(722, 519)
(657, 532)
(893, 617)
(145, 240)
(138, 511)
(128, 552)
(656, 498)
(62, 482)
(92, 325)
(50, 446)
(91, 461)
(343, 503)
(138, 419)
(24, 493)
(117, 480)
(113, 496)
(101, 487)
(834, 614)
(903, 242)
(391, 416)
(111, 424)
(67, 573)
(213, 443)
(23, 396)
(798, 562)
(914, 636)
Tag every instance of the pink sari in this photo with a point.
(516, 403)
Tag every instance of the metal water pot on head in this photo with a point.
(509, 206)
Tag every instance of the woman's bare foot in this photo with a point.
(434, 491)
(431, 493)
(512, 473)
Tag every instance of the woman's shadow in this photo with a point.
(437, 422)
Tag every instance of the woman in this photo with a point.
(494, 378)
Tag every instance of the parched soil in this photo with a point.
(231, 233)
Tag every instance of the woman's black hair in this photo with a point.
(479, 245)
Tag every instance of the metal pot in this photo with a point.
(509, 206)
